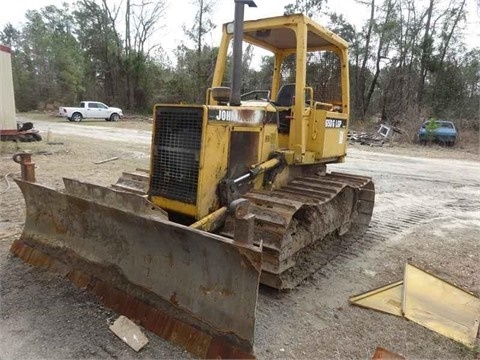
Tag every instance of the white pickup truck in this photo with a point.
(91, 110)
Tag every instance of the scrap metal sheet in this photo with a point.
(387, 298)
(384, 354)
(204, 277)
(440, 306)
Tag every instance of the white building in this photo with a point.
(7, 99)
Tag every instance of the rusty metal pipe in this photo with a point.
(27, 166)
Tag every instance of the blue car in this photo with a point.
(439, 131)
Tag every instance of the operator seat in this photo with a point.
(285, 99)
(285, 95)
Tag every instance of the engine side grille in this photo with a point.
(176, 153)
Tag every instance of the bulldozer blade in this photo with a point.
(195, 289)
(122, 200)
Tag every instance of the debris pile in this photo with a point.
(364, 138)
(384, 135)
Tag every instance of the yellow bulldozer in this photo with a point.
(237, 194)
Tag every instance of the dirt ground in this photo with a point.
(427, 212)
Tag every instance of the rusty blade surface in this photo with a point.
(121, 200)
(206, 281)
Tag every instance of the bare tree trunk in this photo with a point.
(116, 66)
(373, 84)
(444, 48)
(426, 52)
(460, 13)
(129, 86)
(361, 78)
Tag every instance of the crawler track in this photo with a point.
(300, 221)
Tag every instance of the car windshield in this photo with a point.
(446, 125)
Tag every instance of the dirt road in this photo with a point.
(426, 212)
(97, 131)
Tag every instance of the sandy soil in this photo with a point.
(426, 212)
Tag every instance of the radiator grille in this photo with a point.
(176, 153)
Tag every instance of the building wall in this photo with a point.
(7, 99)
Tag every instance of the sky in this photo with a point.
(182, 12)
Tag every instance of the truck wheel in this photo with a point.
(77, 117)
(114, 117)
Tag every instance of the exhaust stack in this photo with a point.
(237, 49)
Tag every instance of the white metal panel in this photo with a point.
(440, 306)
(387, 299)
(7, 99)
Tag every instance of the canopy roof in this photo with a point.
(279, 33)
